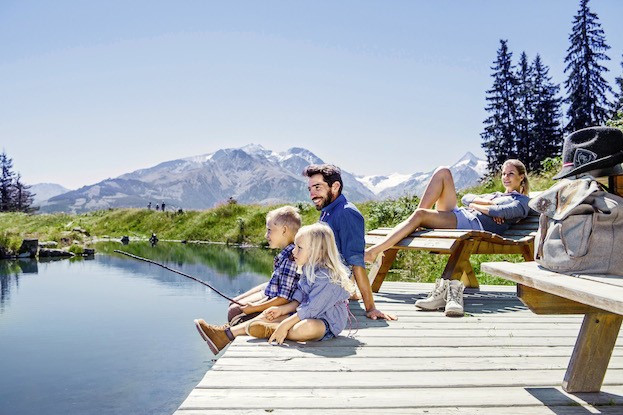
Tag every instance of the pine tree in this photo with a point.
(525, 111)
(617, 104)
(6, 183)
(586, 88)
(546, 127)
(499, 135)
(14, 195)
(22, 197)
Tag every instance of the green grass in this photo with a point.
(235, 223)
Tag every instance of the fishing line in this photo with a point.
(178, 272)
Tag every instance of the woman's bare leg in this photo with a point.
(440, 190)
(421, 217)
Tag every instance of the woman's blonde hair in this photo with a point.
(524, 187)
(323, 253)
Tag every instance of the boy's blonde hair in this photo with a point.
(323, 253)
(285, 216)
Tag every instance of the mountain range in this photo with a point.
(250, 174)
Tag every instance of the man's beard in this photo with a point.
(326, 201)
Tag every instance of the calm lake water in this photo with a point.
(114, 335)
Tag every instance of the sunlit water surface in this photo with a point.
(113, 335)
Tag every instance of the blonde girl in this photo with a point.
(319, 310)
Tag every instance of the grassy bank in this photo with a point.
(235, 223)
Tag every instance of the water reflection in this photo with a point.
(9, 276)
(230, 270)
(222, 259)
(114, 335)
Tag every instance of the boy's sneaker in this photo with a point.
(261, 329)
(437, 298)
(215, 336)
(454, 305)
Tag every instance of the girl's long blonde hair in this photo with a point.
(323, 253)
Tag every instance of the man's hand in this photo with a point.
(376, 314)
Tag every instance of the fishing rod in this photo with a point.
(178, 272)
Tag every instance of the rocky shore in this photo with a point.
(32, 248)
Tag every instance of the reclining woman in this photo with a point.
(493, 212)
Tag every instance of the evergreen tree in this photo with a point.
(22, 197)
(6, 183)
(14, 195)
(586, 88)
(547, 135)
(525, 104)
(617, 104)
(499, 135)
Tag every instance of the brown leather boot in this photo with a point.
(215, 336)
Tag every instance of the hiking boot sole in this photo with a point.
(455, 313)
(205, 337)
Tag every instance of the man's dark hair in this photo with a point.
(330, 173)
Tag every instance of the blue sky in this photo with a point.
(94, 89)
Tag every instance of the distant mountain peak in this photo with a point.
(248, 174)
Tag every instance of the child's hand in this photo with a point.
(272, 313)
(279, 334)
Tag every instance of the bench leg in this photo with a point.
(528, 252)
(459, 267)
(592, 352)
(377, 276)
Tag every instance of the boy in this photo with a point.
(282, 224)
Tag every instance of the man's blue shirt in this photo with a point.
(348, 227)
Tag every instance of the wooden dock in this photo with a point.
(499, 359)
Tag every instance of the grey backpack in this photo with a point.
(580, 228)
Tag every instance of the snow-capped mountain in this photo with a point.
(250, 174)
(467, 172)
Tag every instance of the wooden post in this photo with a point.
(592, 352)
(377, 276)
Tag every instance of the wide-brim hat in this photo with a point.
(592, 149)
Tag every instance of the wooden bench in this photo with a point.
(460, 245)
(598, 297)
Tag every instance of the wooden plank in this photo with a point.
(297, 363)
(421, 379)
(540, 302)
(318, 398)
(443, 245)
(566, 286)
(427, 233)
(577, 409)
